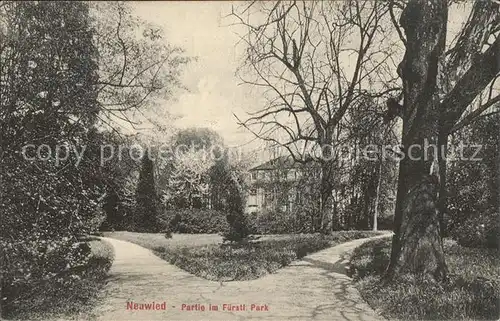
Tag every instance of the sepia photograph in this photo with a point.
(250, 160)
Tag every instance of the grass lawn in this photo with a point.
(472, 292)
(204, 255)
(74, 296)
(154, 240)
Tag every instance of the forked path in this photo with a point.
(314, 288)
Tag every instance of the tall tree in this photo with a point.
(313, 60)
(47, 97)
(439, 85)
(146, 197)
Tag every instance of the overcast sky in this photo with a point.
(214, 91)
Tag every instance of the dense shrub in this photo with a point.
(479, 231)
(280, 222)
(472, 217)
(69, 289)
(194, 221)
(41, 244)
(298, 221)
(385, 222)
(45, 203)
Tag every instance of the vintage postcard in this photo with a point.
(250, 160)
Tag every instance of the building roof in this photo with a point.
(282, 162)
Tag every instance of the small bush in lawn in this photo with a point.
(167, 234)
(238, 228)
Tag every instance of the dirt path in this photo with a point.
(314, 288)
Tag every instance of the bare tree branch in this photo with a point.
(484, 69)
(476, 114)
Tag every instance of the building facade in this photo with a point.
(278, 184)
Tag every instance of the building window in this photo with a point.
(254, 176)
(253, 191)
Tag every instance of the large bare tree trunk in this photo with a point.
(417, 245)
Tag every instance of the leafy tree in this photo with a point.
(60, 86)
(197, 138)
(48, 72)
(235, 204)
(146, 198)
(189, 181)
(185, 175)
(138, 68)
(200, 175)
(116, 175)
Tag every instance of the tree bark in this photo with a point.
(417, 245)
(442, 195)
(326, 219)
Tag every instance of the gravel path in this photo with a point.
(314, 288)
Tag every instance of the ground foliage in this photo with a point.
(472, 290)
